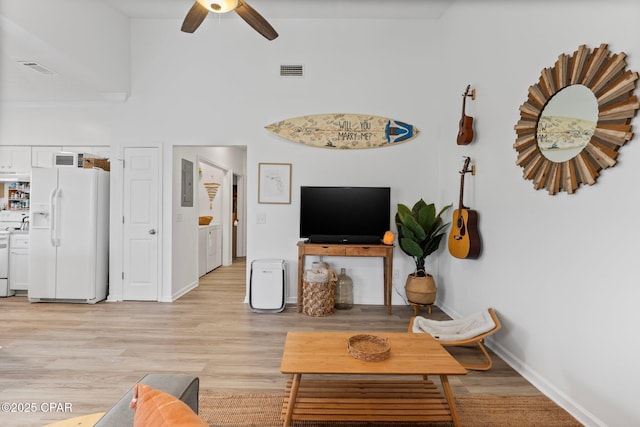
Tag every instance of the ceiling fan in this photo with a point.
(201, 9)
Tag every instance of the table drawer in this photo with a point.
(324, 250)
(367, 251)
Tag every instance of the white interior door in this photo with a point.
(141, 224)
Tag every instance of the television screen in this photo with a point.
(344, 214)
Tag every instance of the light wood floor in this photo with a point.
(89, 355)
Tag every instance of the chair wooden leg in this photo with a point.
(480, 366)
(489, 363)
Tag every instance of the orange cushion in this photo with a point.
(155, 408)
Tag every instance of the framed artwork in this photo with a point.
(274, 183)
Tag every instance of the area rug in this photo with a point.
(264, 409)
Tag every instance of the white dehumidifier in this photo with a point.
(267, 285)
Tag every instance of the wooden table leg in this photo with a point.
(295, 384)
(448, 394)
(300, 277)
(388, 280)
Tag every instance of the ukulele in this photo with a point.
(465, 128)
(464, 239)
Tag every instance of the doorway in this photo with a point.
(239, 240)
(224, 169)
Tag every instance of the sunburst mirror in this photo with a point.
(575, 119)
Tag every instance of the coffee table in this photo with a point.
(344, 388)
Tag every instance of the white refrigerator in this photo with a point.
(69, 235)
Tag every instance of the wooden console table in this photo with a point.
(320, 249)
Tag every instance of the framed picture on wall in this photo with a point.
(274, 183)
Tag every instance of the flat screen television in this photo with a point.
(358, 215)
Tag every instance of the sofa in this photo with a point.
(184, 387)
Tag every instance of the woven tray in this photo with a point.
(369, 348)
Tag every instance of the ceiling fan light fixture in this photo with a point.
(219, 6)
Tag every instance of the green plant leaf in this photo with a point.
(405, 231)
(410, 247)
(427, 216)
(420, 230)
(411, 223)
(444, 209)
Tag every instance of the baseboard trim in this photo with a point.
(182, 291)
(538, 381)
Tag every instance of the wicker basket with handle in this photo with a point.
(318, 293)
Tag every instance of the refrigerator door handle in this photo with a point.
(52, 216)
(55, 196)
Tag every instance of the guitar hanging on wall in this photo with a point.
(465, 128)
(464, 239)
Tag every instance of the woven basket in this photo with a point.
(369, 348)
(318, 299)
(421, 290)
(204, 220)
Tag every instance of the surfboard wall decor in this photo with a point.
(344, 131)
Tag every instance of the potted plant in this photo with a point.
(420, 231)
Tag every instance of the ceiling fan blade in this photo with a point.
(194, 18)
(256, 20)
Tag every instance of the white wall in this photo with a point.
(206, 92)
(561, 278)
(556, 269)
(208, 206)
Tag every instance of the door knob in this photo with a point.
(152, 231)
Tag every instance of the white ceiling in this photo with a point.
(80, 75)
(278, 9)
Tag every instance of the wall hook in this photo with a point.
(472, 94)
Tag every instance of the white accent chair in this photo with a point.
(471, 330)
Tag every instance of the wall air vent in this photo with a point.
(291, 71)
(38, 68)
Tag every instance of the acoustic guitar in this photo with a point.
(465, 128)
(464, 239)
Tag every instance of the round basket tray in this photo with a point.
(369, 348)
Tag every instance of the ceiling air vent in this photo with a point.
(291, 71)
(38, 68)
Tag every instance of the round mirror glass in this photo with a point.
(567, 123)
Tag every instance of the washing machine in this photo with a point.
(267, 285)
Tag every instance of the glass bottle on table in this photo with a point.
(344, 291)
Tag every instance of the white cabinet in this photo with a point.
(19, 262)
(214, 247)
(203, 233)
(42, 157)
(101, 152)
(15, 159)
(209, 248)
(98, 151)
